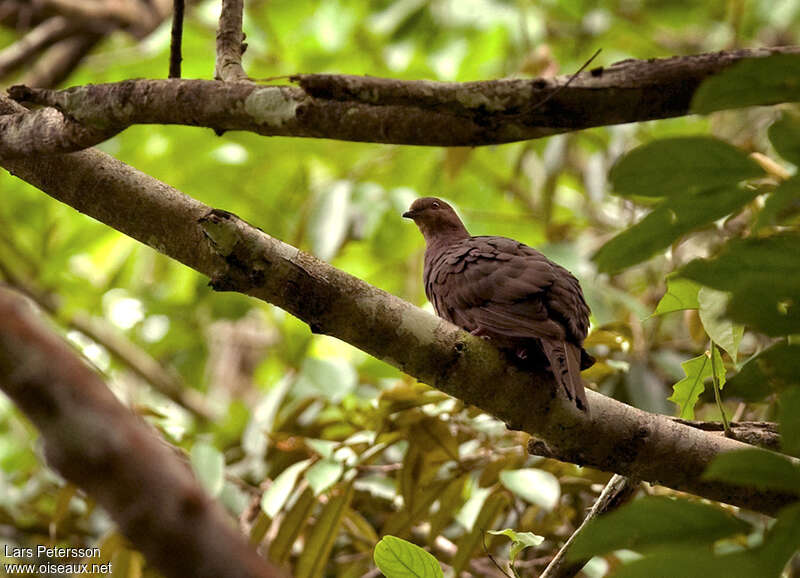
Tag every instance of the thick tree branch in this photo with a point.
(96, 443)
(165, 380)
(420, 112)
(230, 42)
(240, 257)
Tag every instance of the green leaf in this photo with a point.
(679, 165)
(519, 541)
(331, 378)
(276, 495)
(763, 274)
(681, 294)
(318, 545)
(292, 524)
(254, 438)
(470, 542)
(209, 465)
(687, 391)
(533, 485)
(774, 369)
(666, 223)
(784, 134)
(751, 82)
(330, 220)
(323, 475)
(652, 522)
(697, 562)
(758, 468)
(397, 558)
(782, 205)
(789, 410)
(725, 333)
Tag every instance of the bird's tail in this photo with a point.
(565, 364)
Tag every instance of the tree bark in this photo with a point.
(366, 109)
(98, 444)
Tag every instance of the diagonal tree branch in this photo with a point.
(34, 42)
(366, 109)
(165, 380)
(230, 42)
(95, 442)
(237, 256)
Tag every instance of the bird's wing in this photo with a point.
(497, 286)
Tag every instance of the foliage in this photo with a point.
(327, 452)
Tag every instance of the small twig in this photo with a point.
(726, 426)
(569, 81)
(230, 42)
(617, 492)
(175, 50)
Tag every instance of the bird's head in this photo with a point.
(436, 219)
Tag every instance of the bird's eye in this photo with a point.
(435, 205)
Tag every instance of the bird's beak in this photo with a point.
(409, 215)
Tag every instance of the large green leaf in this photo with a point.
(681, 294)
(673, 166)
(322, 535)
(758, 81)
(784, 134)
(722, 331)
(789, 420)
(766, 560)
(209, 465)
(771, 370)
(276, 495)
(666, 223)
(782, 206)
(533, 485)
(653, 522)
(758, 468)
(763, 274)
(397, 558)
(687, 391)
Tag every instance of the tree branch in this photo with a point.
(153, 497)
(230, 42)
(164, 380)
(237, 256)
(58, 62)
(29, 46)
(366, 109)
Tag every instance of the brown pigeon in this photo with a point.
(505, 291)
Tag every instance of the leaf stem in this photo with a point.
(726, 426)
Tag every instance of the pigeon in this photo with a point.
(507, 292)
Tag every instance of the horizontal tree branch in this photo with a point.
(236, 256)
(98, 444)
(366, 109)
